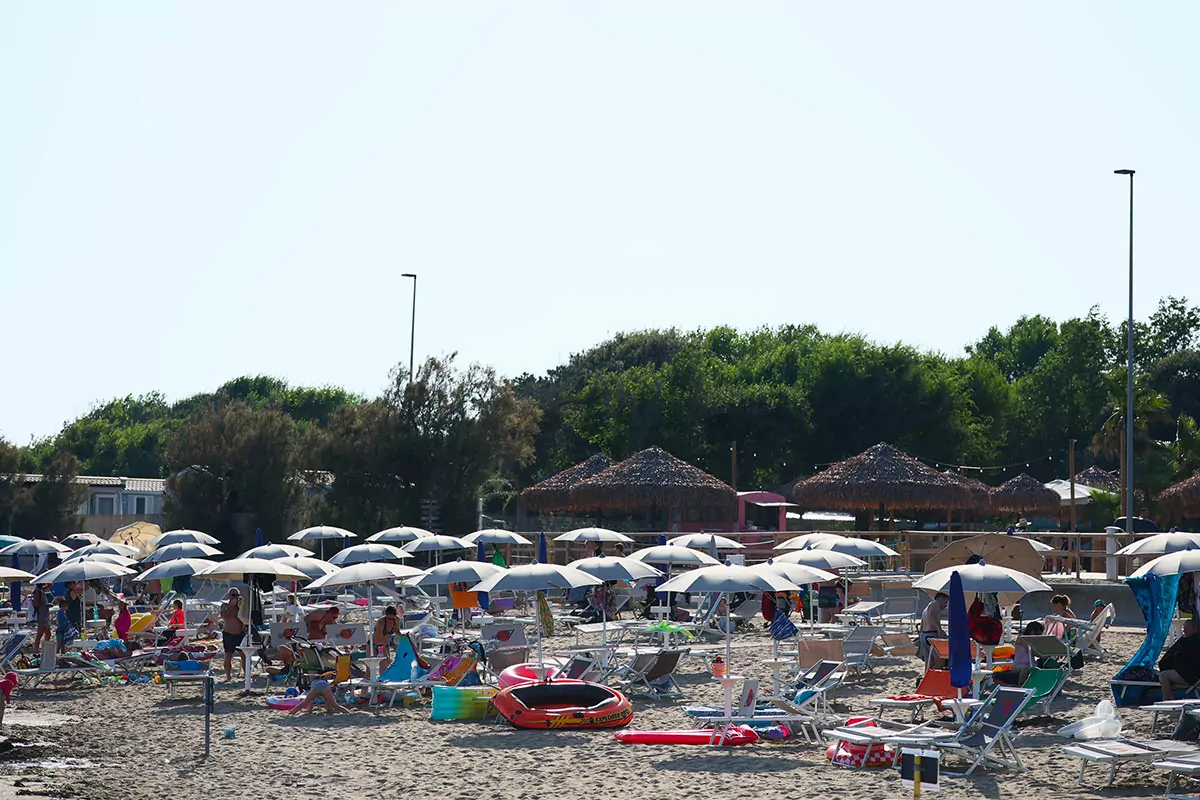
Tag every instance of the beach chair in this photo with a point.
(1188, 765)
(53, 665)
(873, 733)
(824, 673)
(179, 672)
(745, 612)
(933, 689)
(579, 668)
(857, 646)
(900, 610)
(810, 652)
(1115, 752)
(653, 672)
(1088, 640)
(897, 644)
(985, 738)
(941, 648)
(1045, 685)
(11, 647)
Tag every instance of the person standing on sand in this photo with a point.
(41, 613)
(233, 630)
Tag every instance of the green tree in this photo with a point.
(1178, 377)
(1017, 351)
(47, 508)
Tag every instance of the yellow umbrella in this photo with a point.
(138, 535)
(996, 549)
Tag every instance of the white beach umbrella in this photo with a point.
(796, 573)
(273, 551)
(1161, 544)
(705, 541)
(106, 548)
(319, 533)
(805, 539)
(371, 551)
(367, 574)
(592, 535)
(78, 540)
(982, 578)
(1039, 546)
(179, 568)
(495, 536)
(311, 567)
(236, 569)
(673, 554)
(181, 550)
(12, 574)
(435, 544)
(107, 558)
(860, 548)
(821, 559)
(36, 547)
(399, 535)
(615, 568)
(82, 570)
(457, 571)
(1176, 563)
(183, 535)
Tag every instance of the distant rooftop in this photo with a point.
(153, 485)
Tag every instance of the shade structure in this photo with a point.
(796, 573)
(673, 554)
(1183, 498)
(1098, 478)
(311, 567)
(704, 541)
(982, 578)
(321, 532)
(851, 546)
(554, 493)
(1171, 564)
(399, 535)
(236, 569)
(137, 534)
(365, 574)
(457, 571)
(181, 550)
(803, 541)
(371, 551)
(183, 535)
(1025, 494)
(652, 478)
(592, 535)
(436, 543)
(1162, 543)
(78, 540)
(1039, 546)
(274, 551)
(881, 475)
(821, 559)
(106, 548)
(1062, 488)
(615, 568)
(495, 536)
(82, 570)
(12, 574)
(997, 549)
(37, 547)
(980, 493)
(107, 558)
(179, 568)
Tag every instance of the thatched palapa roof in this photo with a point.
(980, 492)
(1183, 498)
(1098, 478)
(554, 493)
(1025, 493)
(881, 475)
(652, 478)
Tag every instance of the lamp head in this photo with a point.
(1123, 172)
(408, 274)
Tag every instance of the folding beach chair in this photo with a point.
(822, 674)
(1045, 684)
(897, 644)
(874, 733)
(811, 652)
(653, 672)
(1115, 752)
(1088, 639)
(12, 646)
(931, 691)
(579, 668)
(989, 729)
(857, 646)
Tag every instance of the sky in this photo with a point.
(190, 192)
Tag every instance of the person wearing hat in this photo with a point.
(233, 630)
(1097, 609)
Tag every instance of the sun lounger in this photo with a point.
(877, 732)
(173, 677)
(897, 644)
(1166, 707)
(811, 652)
(1175, 766)
(12, 646)
(54, 666)
(857, 646)
(931, 691)
(1115, 752)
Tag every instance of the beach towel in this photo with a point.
(545, 615)
(781, 627)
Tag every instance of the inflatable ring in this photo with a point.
(845, 754)
(519, 674)
(284, 702)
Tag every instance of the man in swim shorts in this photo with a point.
(234, 629)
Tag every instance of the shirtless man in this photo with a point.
(234, 629)
(317, 621)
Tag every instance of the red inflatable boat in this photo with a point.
(737, 734)
(563, 704)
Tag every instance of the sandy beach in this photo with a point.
(137, 745)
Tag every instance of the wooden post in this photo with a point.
(733, 465)
(1074, 526)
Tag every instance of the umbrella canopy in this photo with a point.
(997, 549)
(365, 574)
(319, 532)
(78, 540)
(592, 535)
(13, 575)
(821, 559)
(881, 475)
(137, 534)
(803, 541)
(495, 536)
(183, 535)
(555, 492)
(536, 577)
(961, 665)
(435, 543)
(36, 547)
(859, 548)
(1039, 546)
(1097, 478)
(106, 548)
(796, 573)
(457, 571)
(1182, 499)
(107, 558)
(236, 569)
(1176, 563)
(1025, 493)
(399, 535)
(179, 568)
(652, 478)
(181, 550)
(311, 567)
(371, 551)
(82, 570)
(672, 554)
(615, 568)
(274, 551)
(704, 541)
(982, 578)
(729, 578)
(1161, 544)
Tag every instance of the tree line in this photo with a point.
(258, 453)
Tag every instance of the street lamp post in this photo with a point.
(1129, 376)
(412, 336)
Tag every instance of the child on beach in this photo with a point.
(323, 689)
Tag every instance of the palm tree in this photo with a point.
(1149, 409)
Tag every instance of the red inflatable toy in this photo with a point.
(563, 704)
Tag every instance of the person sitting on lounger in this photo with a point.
(1180, 665)
(387, 627)
(323, 689)
(1022, 658)
(931, 628)
(319, 620)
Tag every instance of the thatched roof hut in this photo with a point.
(1025, 494)
(881, 475)
(1182, 499)
(980, 492)
(554, 493)
(652, 478)
(1098, 478)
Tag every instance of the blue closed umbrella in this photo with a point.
(543, 551)
(16, 585)
(480, 554)
(961, 664)
(258, 537)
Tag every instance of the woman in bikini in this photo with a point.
(387, 627)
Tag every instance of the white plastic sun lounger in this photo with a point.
(1115, 752)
